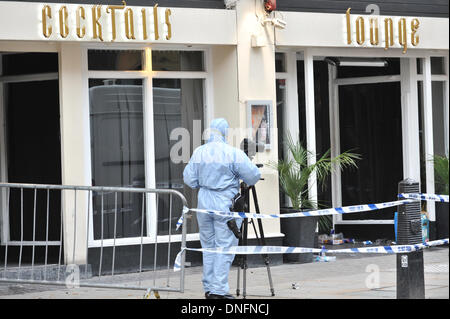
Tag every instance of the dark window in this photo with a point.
(280, 62)
(177, 61)
(115, 60)
(29, 63)
(437, 65)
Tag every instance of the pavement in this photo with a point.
(353, 276)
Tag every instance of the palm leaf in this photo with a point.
(295, 171)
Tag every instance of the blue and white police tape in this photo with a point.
(419, 196)
(254, 250)
(319, 212)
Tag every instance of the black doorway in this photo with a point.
(33, 147)
(371, 125)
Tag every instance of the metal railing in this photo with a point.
(67, 235)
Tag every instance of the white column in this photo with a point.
(256, 81)
(335, 144)
(310, 120)
(75, 147)
(428, 133)
(410, 119)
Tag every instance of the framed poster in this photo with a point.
(259, 117)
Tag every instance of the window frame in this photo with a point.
(147, 75)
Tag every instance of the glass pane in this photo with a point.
(115, 60)
(117, 151)
(280, 62)
(437, 89)
(177, 105)
(423, 181)
(371, 125)
(177, 61)
(392, 68)
(28, 63)
(419, 65)
(437, 65)
(281, 109)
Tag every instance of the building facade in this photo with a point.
(93, 93)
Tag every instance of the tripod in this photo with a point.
(245, 192)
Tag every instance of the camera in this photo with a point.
(250, 147)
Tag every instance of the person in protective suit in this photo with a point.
(216, 168)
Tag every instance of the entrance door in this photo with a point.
(370, 124)
(33, 156)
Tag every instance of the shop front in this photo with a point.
(104, 95)
(373, 84)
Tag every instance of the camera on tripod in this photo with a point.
(250, 148)
(240, 202)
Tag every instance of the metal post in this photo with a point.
(410, 267)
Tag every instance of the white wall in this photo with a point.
(256, 81)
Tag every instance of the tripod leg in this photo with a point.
(240, 265)
(238, 291)
(262, 240)
(244, 259)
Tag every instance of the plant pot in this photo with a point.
(298, 232)
(442, 212)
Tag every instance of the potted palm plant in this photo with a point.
(294, 173)
(441, 181)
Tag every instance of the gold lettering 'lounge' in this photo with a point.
(395, 34)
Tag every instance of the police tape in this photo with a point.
(319, 212)
(407, 198)
(254, 250)
(420, 196)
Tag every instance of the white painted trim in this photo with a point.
(428, 133)
(162, 239)
(335, 145)
(179, 75)
(144, 240)
(32, 243)
(149, 146)
(446, 103)
(368, 80)
(310, 110)
(116, 74)
(29, 77)
(410, 119)
(366, 222)
(28, 46)
(4, 221)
